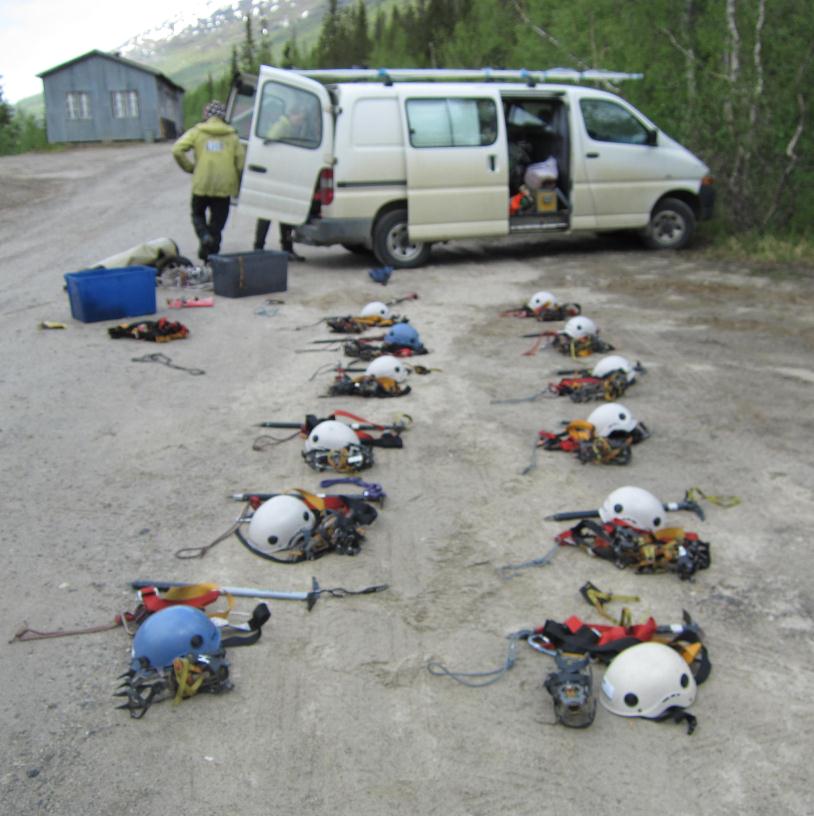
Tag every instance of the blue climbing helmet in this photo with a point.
(173, 632)
(403, 334)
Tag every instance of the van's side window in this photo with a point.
(289, 115)
(606, 121)
(451, 122)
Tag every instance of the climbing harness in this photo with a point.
(581, 438)
(369, 349)
(667, 550)
(334, 523)
(157, 357)
(580, 386)
(359, 323)
(366, 385)
(156, 331)
(574, 347)
(585, 387)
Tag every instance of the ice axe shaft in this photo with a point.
(573, 515)
(356, 426)
(369, 495)
(242, 592)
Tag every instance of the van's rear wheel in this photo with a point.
(671, 226)
(393, 246)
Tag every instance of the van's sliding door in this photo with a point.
(291, 140)
(457, 163)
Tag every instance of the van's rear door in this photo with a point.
(457, 162)
(290, 141)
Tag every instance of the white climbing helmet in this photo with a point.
(541, 300)
(281, 521)
(610, 418)
(634, 506)
(646, 680)
(614, 362)
(376, 309)
(330, 435)
(578, 327)
(386, 365)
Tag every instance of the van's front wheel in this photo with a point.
(671, 226)
(392, 244)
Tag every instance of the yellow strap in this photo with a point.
(669, 534)
(580, 430)
(597, 598)
(311, 499)
(187, 686)
(719, 501)
(181, 594)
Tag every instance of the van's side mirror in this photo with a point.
(652, 138)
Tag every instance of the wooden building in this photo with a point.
(101, 97)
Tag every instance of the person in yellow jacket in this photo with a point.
(215, 172)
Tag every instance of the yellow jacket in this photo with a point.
(218, 161)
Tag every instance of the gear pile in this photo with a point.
(605, 438)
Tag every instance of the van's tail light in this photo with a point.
(325, 187)
(707, 181)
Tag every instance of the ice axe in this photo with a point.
(373, 492)
(574, 515)
(356, 426)
(310, 597)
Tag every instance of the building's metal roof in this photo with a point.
(115, 58)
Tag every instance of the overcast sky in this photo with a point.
(38, 34)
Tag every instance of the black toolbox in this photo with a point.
(249, 273)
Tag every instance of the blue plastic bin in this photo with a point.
(108, 294)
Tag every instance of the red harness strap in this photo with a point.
(608, 633)
(153, 602)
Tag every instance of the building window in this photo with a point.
(77, 104)
(125, 104)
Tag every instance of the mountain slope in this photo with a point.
(187, 48)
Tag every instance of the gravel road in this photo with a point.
(110, 465)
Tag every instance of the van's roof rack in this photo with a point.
(390, 75)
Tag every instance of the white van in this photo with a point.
(392, 161)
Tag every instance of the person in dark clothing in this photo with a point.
(286, 238)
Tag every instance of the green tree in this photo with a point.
(248, 49)
(360, 36)
(265, 55)
(9, 130)
(292, 58)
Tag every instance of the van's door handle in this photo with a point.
(256, 168)
(592, 155)
(492, 161)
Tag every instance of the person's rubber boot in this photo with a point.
(208, 246)
(292, 256)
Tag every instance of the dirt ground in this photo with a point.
(110, 465)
